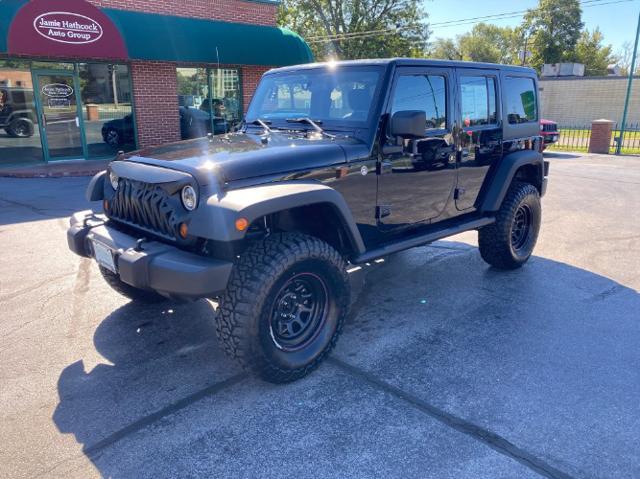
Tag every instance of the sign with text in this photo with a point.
(67, 29)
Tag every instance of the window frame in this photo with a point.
(425, 71)
(506, 79)
(495, 75)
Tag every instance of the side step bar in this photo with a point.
(420, 240)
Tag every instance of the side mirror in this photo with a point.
(408, 123)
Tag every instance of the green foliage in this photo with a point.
(484, 43)
(553, 30)
(399, 26)
(590, 51)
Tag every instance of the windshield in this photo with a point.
(334, 97)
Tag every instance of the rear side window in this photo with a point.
(478, 100)
(520, 100)
(422, 92)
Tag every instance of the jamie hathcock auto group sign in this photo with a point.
(67, 27)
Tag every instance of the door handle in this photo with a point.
(77, 122)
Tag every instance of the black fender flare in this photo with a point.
(505, 173)
(216, 218)
(95, 189)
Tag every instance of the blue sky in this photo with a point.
(617, 22)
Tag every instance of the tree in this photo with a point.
(444, 49)
(484, 43)
(351, 29)
(552, 30)
(623, 58)
(590, 51)
(489, 43)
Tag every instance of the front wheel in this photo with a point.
(284, 307)
(509, 242)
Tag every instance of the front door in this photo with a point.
(60, 120)
(415, 185)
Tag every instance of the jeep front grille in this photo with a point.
(144, 205)
(549, 127)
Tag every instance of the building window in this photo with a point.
(19, 133)
(105, 91)
(209, 101)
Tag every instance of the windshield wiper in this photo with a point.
(263, 123)
(315, 124)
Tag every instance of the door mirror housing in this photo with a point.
(408, 124)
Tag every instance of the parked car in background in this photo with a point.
(549, 131)
(16, 112)
(119, 131)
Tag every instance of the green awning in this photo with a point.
(191, 40)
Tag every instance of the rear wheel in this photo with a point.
(134, 294)
(112, 137)
(509, 242)
(284, 306)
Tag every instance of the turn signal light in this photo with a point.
(242, 224)
(184, 230)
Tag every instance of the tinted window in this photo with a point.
(422, 92)
(478, 100)
(520, 100)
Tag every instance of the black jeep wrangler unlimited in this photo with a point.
(336, 163)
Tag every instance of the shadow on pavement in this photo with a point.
(473, 318)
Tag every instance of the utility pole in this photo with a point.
(629, 83)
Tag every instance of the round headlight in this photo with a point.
(113, 179)
(189, 198)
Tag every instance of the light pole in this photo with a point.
(629, 83)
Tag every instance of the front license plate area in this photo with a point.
(104, 256)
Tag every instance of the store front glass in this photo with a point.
(19, 133)
(59, 111)
(209, 101)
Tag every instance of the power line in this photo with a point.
(445, 24)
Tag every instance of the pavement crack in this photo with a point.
(40, 284)
(489, 438)
(35, 209)
(94, 449)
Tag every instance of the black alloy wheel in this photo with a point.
(299, 311)
(521, 227)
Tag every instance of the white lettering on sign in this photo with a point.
(57, 90)
(67, 27)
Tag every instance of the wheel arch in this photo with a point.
(525, 165)
(307, 207)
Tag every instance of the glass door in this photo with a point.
(60, 121)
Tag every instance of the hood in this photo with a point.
(240, 156)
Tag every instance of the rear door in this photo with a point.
(480, 142)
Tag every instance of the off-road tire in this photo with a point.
(495, 240)
(134, 294)
(246, 312)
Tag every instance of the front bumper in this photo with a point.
(150, 265)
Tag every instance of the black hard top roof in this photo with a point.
(410, 62)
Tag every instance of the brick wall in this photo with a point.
(578, 101)
(155, 89)
(225, 10)
(250, 78)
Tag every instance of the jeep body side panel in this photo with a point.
(215, 220)
(505, 173)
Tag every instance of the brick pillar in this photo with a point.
(600, 136)
(155, 95)
(250, 77)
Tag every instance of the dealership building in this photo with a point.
(84, 79)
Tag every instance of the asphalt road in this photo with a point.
(447, 368)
